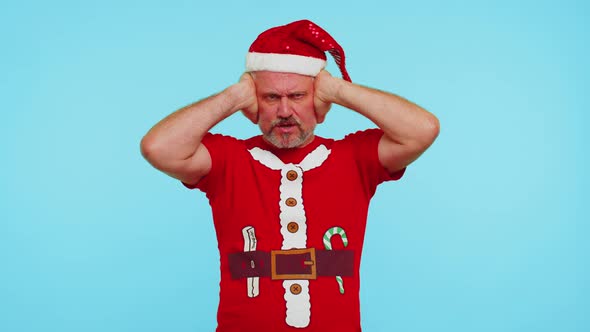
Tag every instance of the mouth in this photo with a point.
(286, 126)
(286, 129)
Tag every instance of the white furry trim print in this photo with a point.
(298, 306)
(315, 158)
(266, 158)
(291, 189)
(292, 211)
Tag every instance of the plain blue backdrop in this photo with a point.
(486, 231)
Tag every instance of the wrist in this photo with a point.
(338, 85)
(235, 97)
(332, 89)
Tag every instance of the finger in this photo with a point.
(245, 77)
(323, 73)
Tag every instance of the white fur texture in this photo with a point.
(284, 63)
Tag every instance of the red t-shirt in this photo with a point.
(243, 192)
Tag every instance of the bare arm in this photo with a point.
(408, 129)
(174, 146)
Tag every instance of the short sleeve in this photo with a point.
(365, 149)
(219, 147)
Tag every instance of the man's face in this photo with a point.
(286, 114)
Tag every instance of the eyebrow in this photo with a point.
(275, 93)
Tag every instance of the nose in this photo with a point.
(284, 110)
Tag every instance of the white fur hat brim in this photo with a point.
(284, 63)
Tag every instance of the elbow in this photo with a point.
(429, 131)
(148, 148)
(145, 146)
(433, 127)
(152, 152)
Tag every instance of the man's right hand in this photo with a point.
(246, 96)
(174, 146)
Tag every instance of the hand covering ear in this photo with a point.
(251, 110)
(322, 95)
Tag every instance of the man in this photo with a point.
(290, 249)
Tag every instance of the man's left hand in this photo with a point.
(325, 88)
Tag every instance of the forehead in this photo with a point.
(268, 81)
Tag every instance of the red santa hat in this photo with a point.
(297, 47)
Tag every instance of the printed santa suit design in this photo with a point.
(293, 224)
(244, 193)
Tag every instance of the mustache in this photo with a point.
(290, 121)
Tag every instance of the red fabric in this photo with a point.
(294, 38)
(303, 38)
(242, 192)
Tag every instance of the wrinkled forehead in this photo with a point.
(269, 81)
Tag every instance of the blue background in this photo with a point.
(485, 232)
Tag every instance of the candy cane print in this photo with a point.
(328, 244)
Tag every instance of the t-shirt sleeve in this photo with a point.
(218, 147)
(365, 147)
